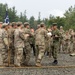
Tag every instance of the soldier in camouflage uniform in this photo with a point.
(19, 45)
(4, 45)
(72, 45)
(55, 47)
(1, 44)
(40, 38)
(32, 41)
(27, 47)
(74, 42)
(67, 41)
(10, 36)
(48, 42)
(11, 31)
(61, 41)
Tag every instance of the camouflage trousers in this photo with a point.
(18, 56)
(40, 50)
(61, 45)
(74, 46)
(67, 46)
(3, 56)
(12, 55)
(55, 49)
(26, 53)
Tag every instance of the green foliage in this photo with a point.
(70, 18)
(68, 21)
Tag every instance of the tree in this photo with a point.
(31, 21)
(39, 20)
(70, 18)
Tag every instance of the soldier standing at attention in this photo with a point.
(55, 47)
(18, 44)
(67, 42)
(10, 36)
(14, 27)
(61, 41)
(40, 38)
(4, 44)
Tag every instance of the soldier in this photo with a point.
(11, 30)
(27, 47)
(1, 44)
(48, 42)
(38, 26)
(4, 45)
(72, 45)
(61, 41)
(55, 47)
(19, 45)
(40, 38)
(32, 41)
(11, 44)
(67, 42)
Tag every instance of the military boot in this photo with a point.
(55, 62)
(38, 64)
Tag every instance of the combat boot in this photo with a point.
(38, 65)
(55, 62)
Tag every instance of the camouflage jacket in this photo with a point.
(3, 38)
(40, 36)
(18, 38)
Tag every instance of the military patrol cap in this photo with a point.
(13, 23)
(61, 27)
(54, 24)
(4, 25)
(42, 24)
(19, 23)
(26, 24)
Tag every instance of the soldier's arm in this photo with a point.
(5, 39)
(46, 36)
(21, 34)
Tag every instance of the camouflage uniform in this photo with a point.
(27, 47)
(40, 38)
(55, 46)
(32, 43)
(67, 41)
(19, 45)
(61, 41)
(11, 52)
(4, 46)
(48, 43)
(72, 45)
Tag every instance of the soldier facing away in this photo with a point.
(19, 45)
(40, 37)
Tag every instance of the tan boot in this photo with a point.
(38, 65)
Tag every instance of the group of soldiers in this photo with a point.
(17, 40)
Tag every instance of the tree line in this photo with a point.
(67, 21)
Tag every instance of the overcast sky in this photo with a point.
(46, 7)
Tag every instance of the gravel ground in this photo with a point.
(64, 60)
